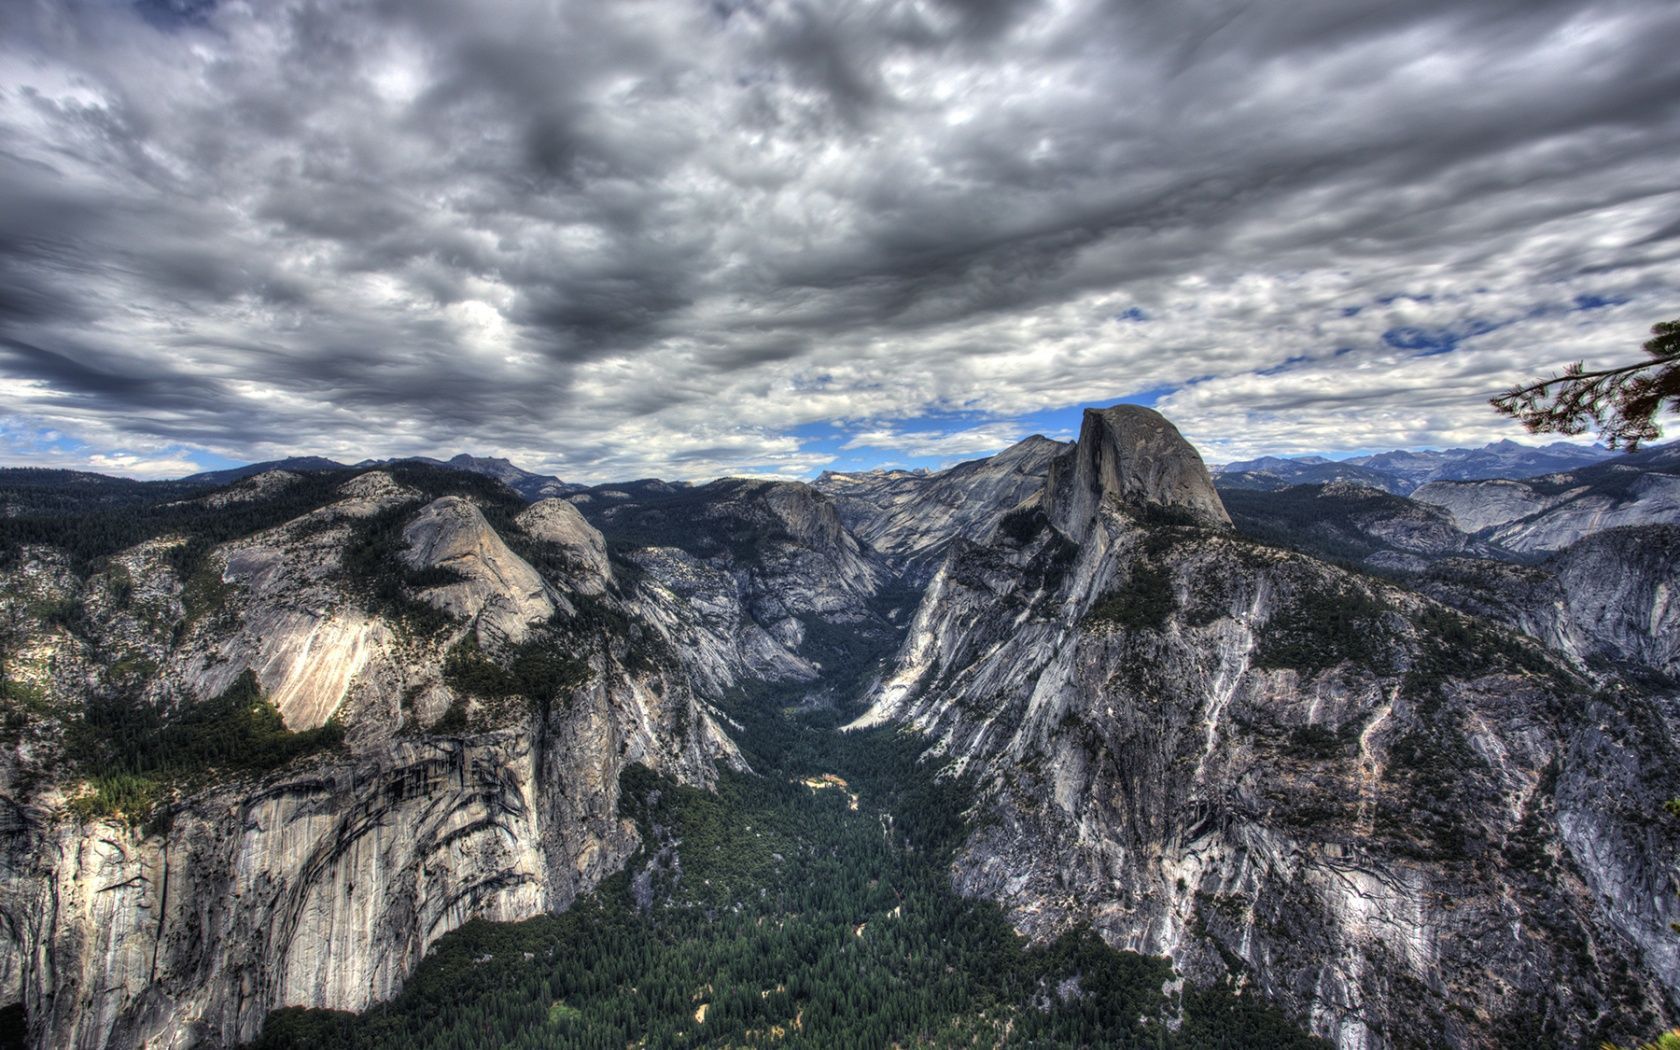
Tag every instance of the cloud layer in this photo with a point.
(660, 236)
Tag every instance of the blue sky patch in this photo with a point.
(35, 446)
(170, 15)
(1284, 366)
(1599, 302)
(1060, 424)
(1427, 342)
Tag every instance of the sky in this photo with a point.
(687, 238)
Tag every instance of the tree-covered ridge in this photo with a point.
(90, 517)
(134, 753)
(657, 514)
(772, 913)
(1327, 521)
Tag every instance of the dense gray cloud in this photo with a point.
(657, 237)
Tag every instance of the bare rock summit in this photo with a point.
(1133, 455)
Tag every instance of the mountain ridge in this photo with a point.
(1224, 753)
(1176, 733)
(1402, 470)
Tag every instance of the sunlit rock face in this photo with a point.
(1611, 600)
(736, 573)
(323, 883)
(318, 889)
(1406, 827)
(497, 588)
(279, 609)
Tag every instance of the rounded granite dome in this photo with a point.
(1135, 456)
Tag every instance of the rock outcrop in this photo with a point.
(255, 487)
(558, 523)
(320, 888)
(322, 882)
(737, 572)
(1610, 601)
(1348, 522)
(1550, 513)
(1378, 813)
(1132, 455)
(1477, 506)
(495, 586)
(910, 517)
(274, 603)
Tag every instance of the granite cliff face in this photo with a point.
(1551, 512)
(273, 602)
(317, 888)
(558, 523)
(1131, 455)
(1407, 827)
(738, 574)
(1349, 522)
(494, 587)
(322, 882)
(1608, 602)
(911, 517)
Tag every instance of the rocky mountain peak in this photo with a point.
(557, 522)
(1029, 448)
(1136, 456)
(808, 515)
(255, 487)
(1351, 487)
(468, 461)
(493, 584)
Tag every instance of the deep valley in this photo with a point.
(1076, 745)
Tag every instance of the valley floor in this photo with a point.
(777, 912)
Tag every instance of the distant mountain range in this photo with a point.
(531, 486)
(295, 464)
(1360, 516)
(1401, 471)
